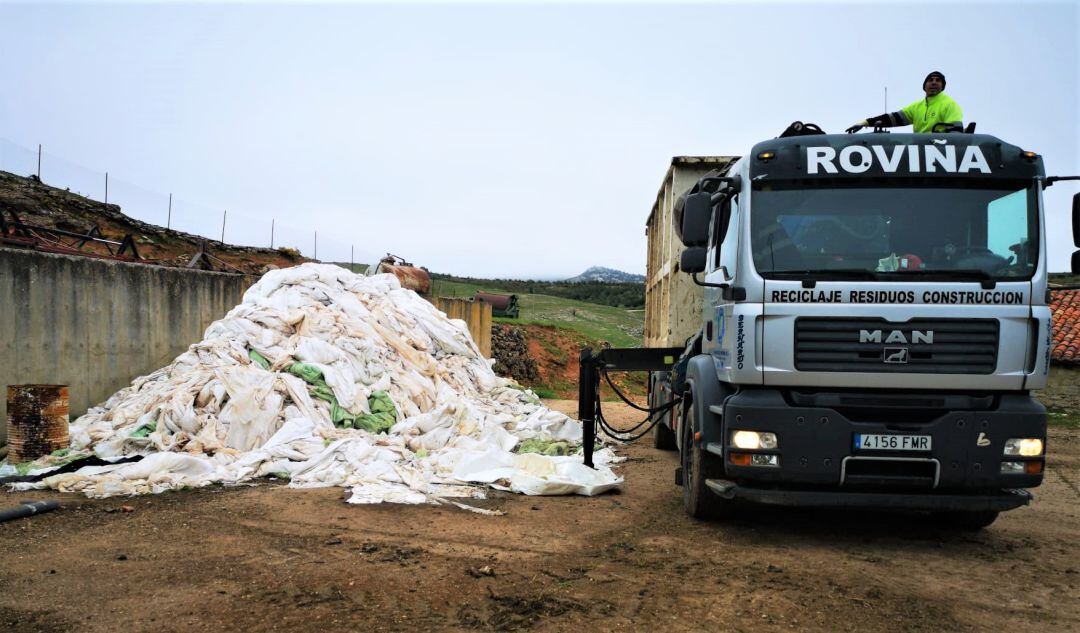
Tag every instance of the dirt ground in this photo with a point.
(267, 558)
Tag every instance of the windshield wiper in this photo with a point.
(826, 274)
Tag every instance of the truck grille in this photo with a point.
(956, 346)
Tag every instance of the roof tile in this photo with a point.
(1065, 311)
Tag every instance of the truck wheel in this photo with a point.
(664, 437)
(966, 521)
(697, 466)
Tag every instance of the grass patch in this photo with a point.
(1062, 395)
(1063, 419)
(621, 327)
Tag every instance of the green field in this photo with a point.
(620, 327)
(1065, 279)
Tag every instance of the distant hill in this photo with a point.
(607, 275)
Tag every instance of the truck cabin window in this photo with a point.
(726, 211)
(895, 231)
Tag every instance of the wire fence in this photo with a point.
(176, 212)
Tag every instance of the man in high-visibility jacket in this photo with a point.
(936, 110)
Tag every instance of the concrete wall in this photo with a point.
(95, 325)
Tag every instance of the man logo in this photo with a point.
(896, 336)
(895, 355)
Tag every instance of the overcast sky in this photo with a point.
(485, 140)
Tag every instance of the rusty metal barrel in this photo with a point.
(37, 421)
(412, 278)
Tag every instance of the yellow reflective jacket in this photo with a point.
(924, 114)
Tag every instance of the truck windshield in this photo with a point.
(895, 232)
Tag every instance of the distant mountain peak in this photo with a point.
(607, 275)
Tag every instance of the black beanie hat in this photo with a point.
(939, 75)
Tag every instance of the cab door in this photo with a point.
(718, 303)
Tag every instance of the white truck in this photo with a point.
(870, 322)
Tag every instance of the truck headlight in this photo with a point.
(753, 440)
(1025, 447)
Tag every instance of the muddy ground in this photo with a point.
(267, 558)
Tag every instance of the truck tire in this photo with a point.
(697, 466)
(664, 437)
(966, 521)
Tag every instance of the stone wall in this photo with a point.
(511, 353)
(96, 324)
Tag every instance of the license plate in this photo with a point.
(881, 442)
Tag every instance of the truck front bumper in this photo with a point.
(816, 446)
(1000, 501)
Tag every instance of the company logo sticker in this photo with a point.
(856, 159)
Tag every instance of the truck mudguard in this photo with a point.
(707, 390)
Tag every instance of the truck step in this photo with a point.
(715, 448)
(678, 476)
(722, 487)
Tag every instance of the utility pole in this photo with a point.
(39, 162)
(272, 232)
(351, 247)
(316, 245)
(223, 216)
(168, 219)
(106, 187)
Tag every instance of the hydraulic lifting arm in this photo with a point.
(591, 365)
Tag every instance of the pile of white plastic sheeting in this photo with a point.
(233, 407)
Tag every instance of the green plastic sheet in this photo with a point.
(383, 412)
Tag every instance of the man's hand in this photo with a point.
(858, 126)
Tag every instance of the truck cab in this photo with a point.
(873, 321)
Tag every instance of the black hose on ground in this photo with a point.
(28, 508)
(70, 467)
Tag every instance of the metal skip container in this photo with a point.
(37, 421)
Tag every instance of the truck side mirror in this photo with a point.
(1076, 220)
(727, 185)
(692, 260)
(695, 220)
